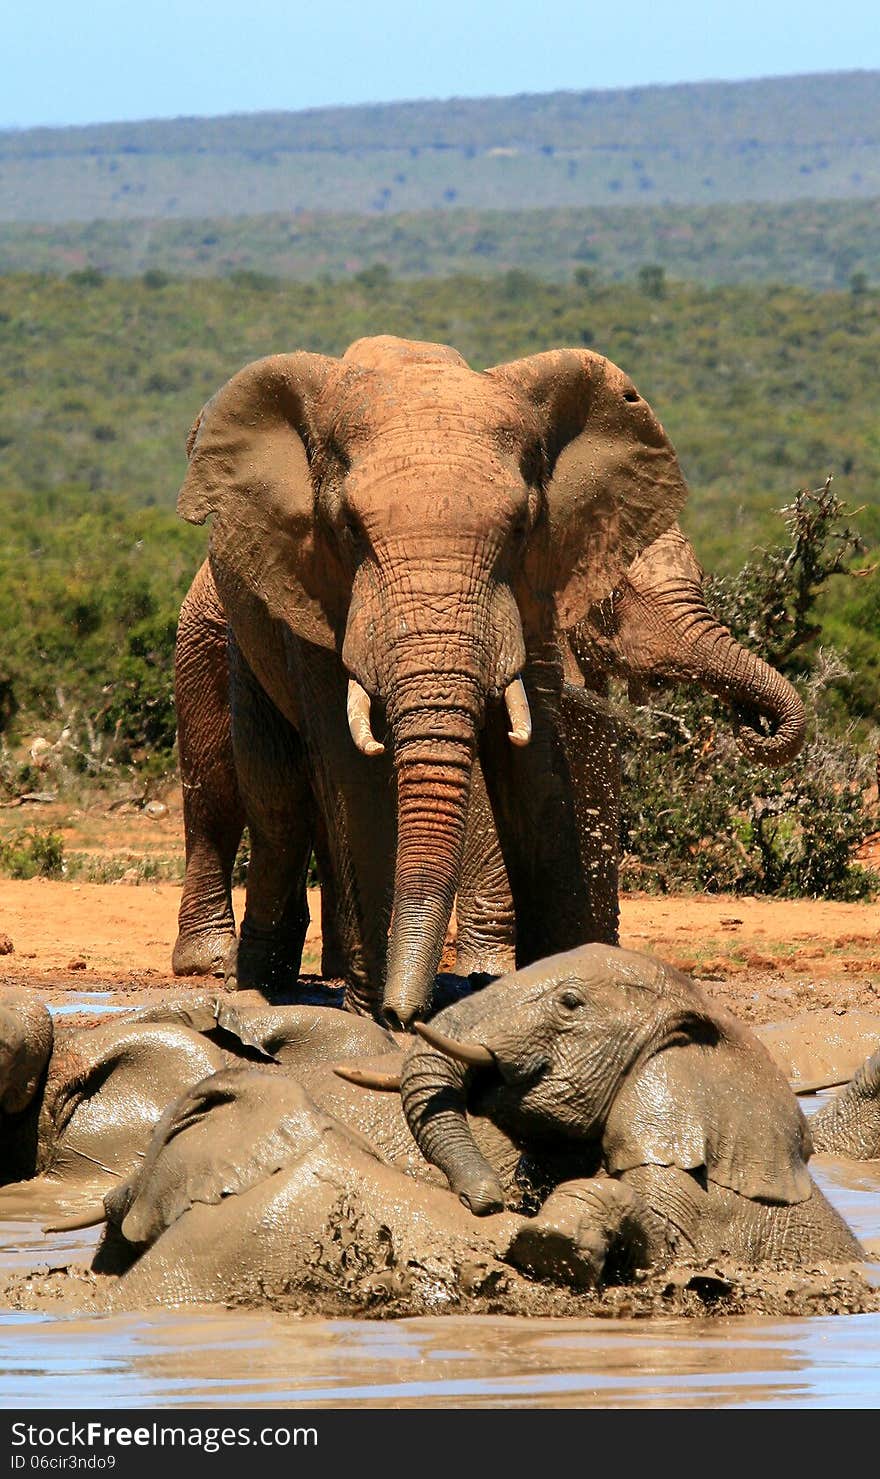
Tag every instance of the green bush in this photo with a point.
(31, 853)
(696, 812)
(140, 712)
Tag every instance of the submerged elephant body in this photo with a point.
(663, 1131)
(79, 1105)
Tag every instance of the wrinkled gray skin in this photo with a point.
(78, 1106)
(250, 1190)
(850, 1124)
(697, 1146)
(654, 628)
(699, 1137)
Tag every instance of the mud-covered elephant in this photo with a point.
(665, 1133)
(397, 543)
(78, 1104)
(699, 1141)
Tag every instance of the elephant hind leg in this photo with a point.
(213, 815)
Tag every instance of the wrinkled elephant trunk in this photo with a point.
(433, 1091)
(434, 749)
(754, 690)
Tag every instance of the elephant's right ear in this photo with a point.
(249, 453)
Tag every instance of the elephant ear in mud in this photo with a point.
(249, 467)
(26, 1037)
(224, 1136)
(713, 1102)
(614, 481)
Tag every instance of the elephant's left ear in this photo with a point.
(615, 482)
(220, 1138)
(714, 1103)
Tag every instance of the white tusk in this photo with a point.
(358, 710)
(518, 713)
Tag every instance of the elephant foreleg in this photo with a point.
(332, 951)
(531, 792)
(486, 927)
(356, 840)
(213, 814)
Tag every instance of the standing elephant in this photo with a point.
(397, 544)
(655, 627)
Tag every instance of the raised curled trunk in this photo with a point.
(754, 690)
(433, 722)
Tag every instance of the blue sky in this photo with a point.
(79, 61)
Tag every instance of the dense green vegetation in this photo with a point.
(90, 589)
(696, 812)
(789, 138)
(813, 243)
(762, 390)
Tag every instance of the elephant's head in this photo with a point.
(434, 526)
(26, 1038)
(655, 627)
(612, 1048)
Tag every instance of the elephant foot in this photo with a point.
(203, 952)
(587, 1232)
(262, 963)
(487, 961)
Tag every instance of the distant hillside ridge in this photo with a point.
(788, 138)
(816, 243)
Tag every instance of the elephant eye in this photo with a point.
(349, 530)
(571, 1000)
(631, 395)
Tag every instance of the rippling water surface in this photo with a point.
(221, 1358)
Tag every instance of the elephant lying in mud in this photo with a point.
(653, 1129)
(78, 1105)
(654, 628)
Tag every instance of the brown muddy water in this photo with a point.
(209, 1357)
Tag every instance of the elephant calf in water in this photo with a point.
(689, 1141)
(78, 1105)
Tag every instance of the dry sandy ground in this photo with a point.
(764, 958)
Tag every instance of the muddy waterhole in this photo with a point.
(206, 1357)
